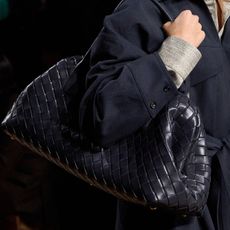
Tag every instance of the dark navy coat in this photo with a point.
(127, 85)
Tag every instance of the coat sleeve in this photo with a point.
(127, 83)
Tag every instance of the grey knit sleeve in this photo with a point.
(179, 57)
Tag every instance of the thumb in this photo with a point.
(167, 24)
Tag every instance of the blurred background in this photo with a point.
(35, 194)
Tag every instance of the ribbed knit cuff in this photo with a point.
(179, 57)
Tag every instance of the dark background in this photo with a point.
(34, 36)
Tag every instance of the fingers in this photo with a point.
(186, 26)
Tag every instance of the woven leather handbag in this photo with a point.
(164, 165)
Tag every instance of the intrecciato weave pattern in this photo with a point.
(162, 165)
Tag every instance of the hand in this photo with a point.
(187, 27)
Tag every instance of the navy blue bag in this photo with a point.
(164, 165)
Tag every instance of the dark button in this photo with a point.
(153, 105)
(166, 88)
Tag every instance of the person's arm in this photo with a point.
(179, 51)
(127, 85)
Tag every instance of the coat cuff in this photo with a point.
(153, 81)
(179, 57)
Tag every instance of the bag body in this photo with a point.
(162, 165)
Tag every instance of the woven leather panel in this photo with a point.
(164, 165)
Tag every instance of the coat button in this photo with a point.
(153, 105)
(166, 89)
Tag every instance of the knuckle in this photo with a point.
(188, 12)
(166, 25)
(199, 26)
(203, 34)
(196, 17)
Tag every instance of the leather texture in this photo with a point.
(163, 165)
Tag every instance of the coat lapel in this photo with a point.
(226, 35)
(172, 7)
